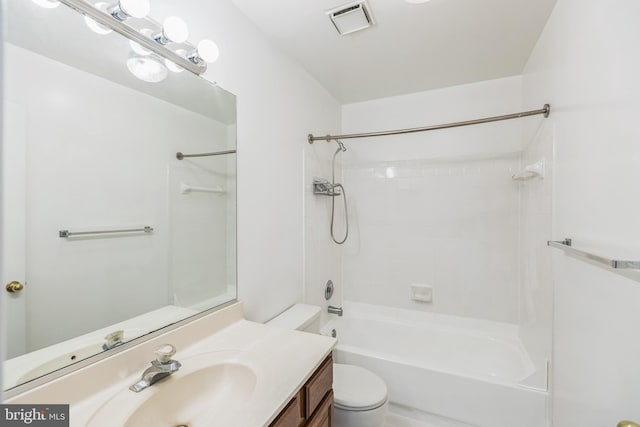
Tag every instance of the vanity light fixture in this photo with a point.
(147, 68)
(165, 45)
(125, 9)
(137, 47)
(207, 51)
(172, 66)
(93, 25)
(174, 29)
(47, 4)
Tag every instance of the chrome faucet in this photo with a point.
(335, 310)
(160, 368)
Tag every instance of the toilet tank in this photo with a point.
(301, 317)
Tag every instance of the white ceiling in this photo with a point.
(412, 47)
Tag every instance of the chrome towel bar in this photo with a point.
(66, 233)
(181, 156)
(565, 245)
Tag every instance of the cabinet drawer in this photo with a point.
(324, 415)
(318, 386)
(292, 415)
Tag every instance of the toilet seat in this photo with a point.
(357, 389)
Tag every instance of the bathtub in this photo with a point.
(443, 366)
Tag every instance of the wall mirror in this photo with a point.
(107, 236)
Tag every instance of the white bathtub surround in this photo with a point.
(470, 371)
(448, 223)
(322, 257)
(436, 208)
(264, 350)
(535, 310)
(441, 209)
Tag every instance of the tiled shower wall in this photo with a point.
(451, 224)
(436, 208)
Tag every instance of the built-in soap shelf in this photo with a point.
(531, 171)
(186, 189)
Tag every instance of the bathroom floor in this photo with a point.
(399, 416)
(394, 420)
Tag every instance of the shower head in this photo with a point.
(341, 146)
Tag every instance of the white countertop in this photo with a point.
(282, 361)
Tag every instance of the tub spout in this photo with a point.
(335, 310)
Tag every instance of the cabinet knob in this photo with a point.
(628, 424)
(13, 287)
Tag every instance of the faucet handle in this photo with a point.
(115, 337)
(164, 353)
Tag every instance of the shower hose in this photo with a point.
(333, 198)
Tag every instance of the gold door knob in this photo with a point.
(628, 424)
(13, 287)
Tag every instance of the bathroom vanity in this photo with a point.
(312, 405)
(234, 373)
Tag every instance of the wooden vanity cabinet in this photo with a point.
(312, 406)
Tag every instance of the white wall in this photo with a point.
(586, 64)
(278, 105)
(436, 208)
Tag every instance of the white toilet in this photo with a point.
(360, 396)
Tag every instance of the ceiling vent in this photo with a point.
(351, 17)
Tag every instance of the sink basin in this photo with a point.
(208, 388)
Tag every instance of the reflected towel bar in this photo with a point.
(186, 188)
(66, 233)
(565, 245)
(181, 156)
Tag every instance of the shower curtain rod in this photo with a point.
(545, 110)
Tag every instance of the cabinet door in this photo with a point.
(323, 417)
(292, 415)
(318, 386)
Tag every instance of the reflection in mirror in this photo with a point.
(112, 236)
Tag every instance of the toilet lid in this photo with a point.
(357, 388)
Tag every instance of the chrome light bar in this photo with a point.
(119, 27)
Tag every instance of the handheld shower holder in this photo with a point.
(323, 187)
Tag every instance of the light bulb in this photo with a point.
(172, 66)
(174, 30)
(125, 9)
(207, 51)
(135, 8)
(47, 4)
(93, 25)
(137, 48)
(147, 68)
